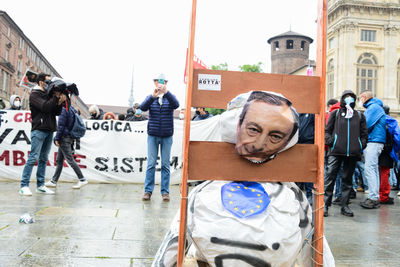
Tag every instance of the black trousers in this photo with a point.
(333, 166)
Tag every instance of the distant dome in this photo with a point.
(290, 34)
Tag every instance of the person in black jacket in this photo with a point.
(44, 109)
(346, 136)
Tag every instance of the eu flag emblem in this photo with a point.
(244, 199)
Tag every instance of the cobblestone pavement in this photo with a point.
(109, 225)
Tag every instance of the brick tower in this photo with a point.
(289, 51)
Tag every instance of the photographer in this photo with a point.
(44, 109)
(160, 128)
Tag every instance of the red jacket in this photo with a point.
(333, 107)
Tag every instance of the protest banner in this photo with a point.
(110, 152)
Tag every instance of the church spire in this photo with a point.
(131, 99)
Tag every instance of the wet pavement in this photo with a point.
(109, 225)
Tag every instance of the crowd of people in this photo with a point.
(361, 147)
(361, 153)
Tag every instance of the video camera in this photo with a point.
(58, 85)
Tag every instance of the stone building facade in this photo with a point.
(18, 54)
(289, 52)
(363, 49)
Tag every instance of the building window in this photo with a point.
(7, 54)
(19, 67)
(4, 81)
(303, 44)
(21, 43)
(8, 31)
(276, 44)
(331, 79)
(331, 43)
(367, 73)
(368, 36)
(289, 44)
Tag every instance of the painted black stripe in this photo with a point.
(239, 244)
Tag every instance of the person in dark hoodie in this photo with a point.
(44, 109)
(130, 114)
(376, 123)
(65, 141)
(346, 136)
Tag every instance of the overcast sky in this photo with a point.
(97, 43)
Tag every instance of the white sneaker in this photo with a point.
(50, 184)
(44, 190)
(25, 191)
(398, 194)
(80, 184)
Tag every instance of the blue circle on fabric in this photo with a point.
(244, 199)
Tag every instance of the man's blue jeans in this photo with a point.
(371, 169)
(165, 143)
(40, 147)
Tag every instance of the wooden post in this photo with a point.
(320, 133)
(186, 139)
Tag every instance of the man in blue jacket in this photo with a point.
(160, 129)
(376, 124)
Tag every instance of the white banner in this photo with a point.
(110, 152)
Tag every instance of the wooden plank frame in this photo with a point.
(297, 88)
(215, 161)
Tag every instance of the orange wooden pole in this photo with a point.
(320, 134)
(186, 136)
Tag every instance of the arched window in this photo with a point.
(331, 79)
(367, 73)
(289, 44)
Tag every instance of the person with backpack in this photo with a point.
(388, 156)
(70, 127)
(346, 136)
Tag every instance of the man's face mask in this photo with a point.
(17, 104)
(348, 100)
(46, 85)
(138, 112)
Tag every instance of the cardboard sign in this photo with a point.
(210, 82)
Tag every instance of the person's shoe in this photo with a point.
(346, 211)
(395, 188)
(398, 194)
(44, 190)
(50, 184)
(360, 189)
(390, 201)
(326, 211)
(337, 201)
(80, 184)
(25, 191)
(146, 196)
(370, 204)
(165, 197)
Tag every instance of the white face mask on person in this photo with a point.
(17, 104)
(348, 100)
(181, 116)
